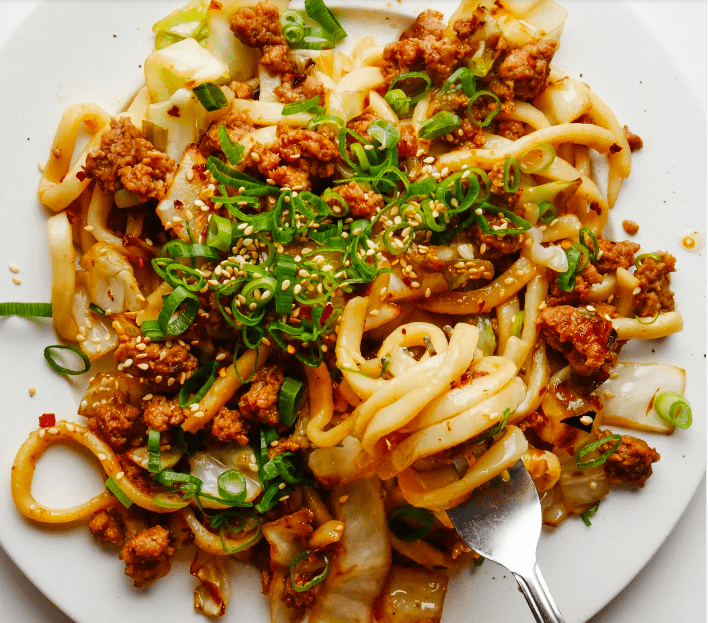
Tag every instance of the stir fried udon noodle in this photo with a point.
(342, 291)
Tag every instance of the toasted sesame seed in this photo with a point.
(14, 268)
(17, 281)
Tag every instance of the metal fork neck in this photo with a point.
(538, 596)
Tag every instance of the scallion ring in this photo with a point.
(674, 408)
(537, 158)
(305, 557)
(415, 94)
(512, 175)
(226, 491)
(219, 232)
(49, 355)
(492, 113)
(547, 212)
(179, 310)
(643, 256)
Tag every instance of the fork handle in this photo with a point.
(538, 596)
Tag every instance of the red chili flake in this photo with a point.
(81, 176)
(215, 6)
(326, 313)
(614, 148)
(178, 205)
(173, 112)
(140, 262)
(47, 420)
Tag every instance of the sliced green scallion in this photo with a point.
(615, 439)
(441, 123)
(302, 560)
(289, 399)
(197, 385)
(311, 105)
(589, 513)
(674, 408)
(49, 355)
(26, 310)
(210, 96)
(113, 487)
(403, 529)
(153, 447)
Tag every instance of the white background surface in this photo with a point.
(678, 569)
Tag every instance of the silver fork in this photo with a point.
(503, 524)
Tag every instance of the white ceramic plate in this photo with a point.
(70, 52)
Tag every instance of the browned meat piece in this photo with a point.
(284, 444)
(614, 255)
(511, 129)
(291, 177)
(467, 135)
(408, 144)
(118, 423)
(147, 556)
(361, 123)
(259, 27)
(242, 90)
(523, 71)
(138, 476)
(295, 144)
(427, 24)
(164, 366)
(635, 142)
(296, 155)
(654, 281)
(228, 425)
(583, 282)
(238, 124)
(297, 87)
(631, 463)
(124, 159)
(361, 202)
(630, 227)
(504, 244)
(107, 526)
(586, 339)
(161, 413)
(421, 46)
(260, 402)
(275, 59)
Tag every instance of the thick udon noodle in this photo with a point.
(423, 392)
